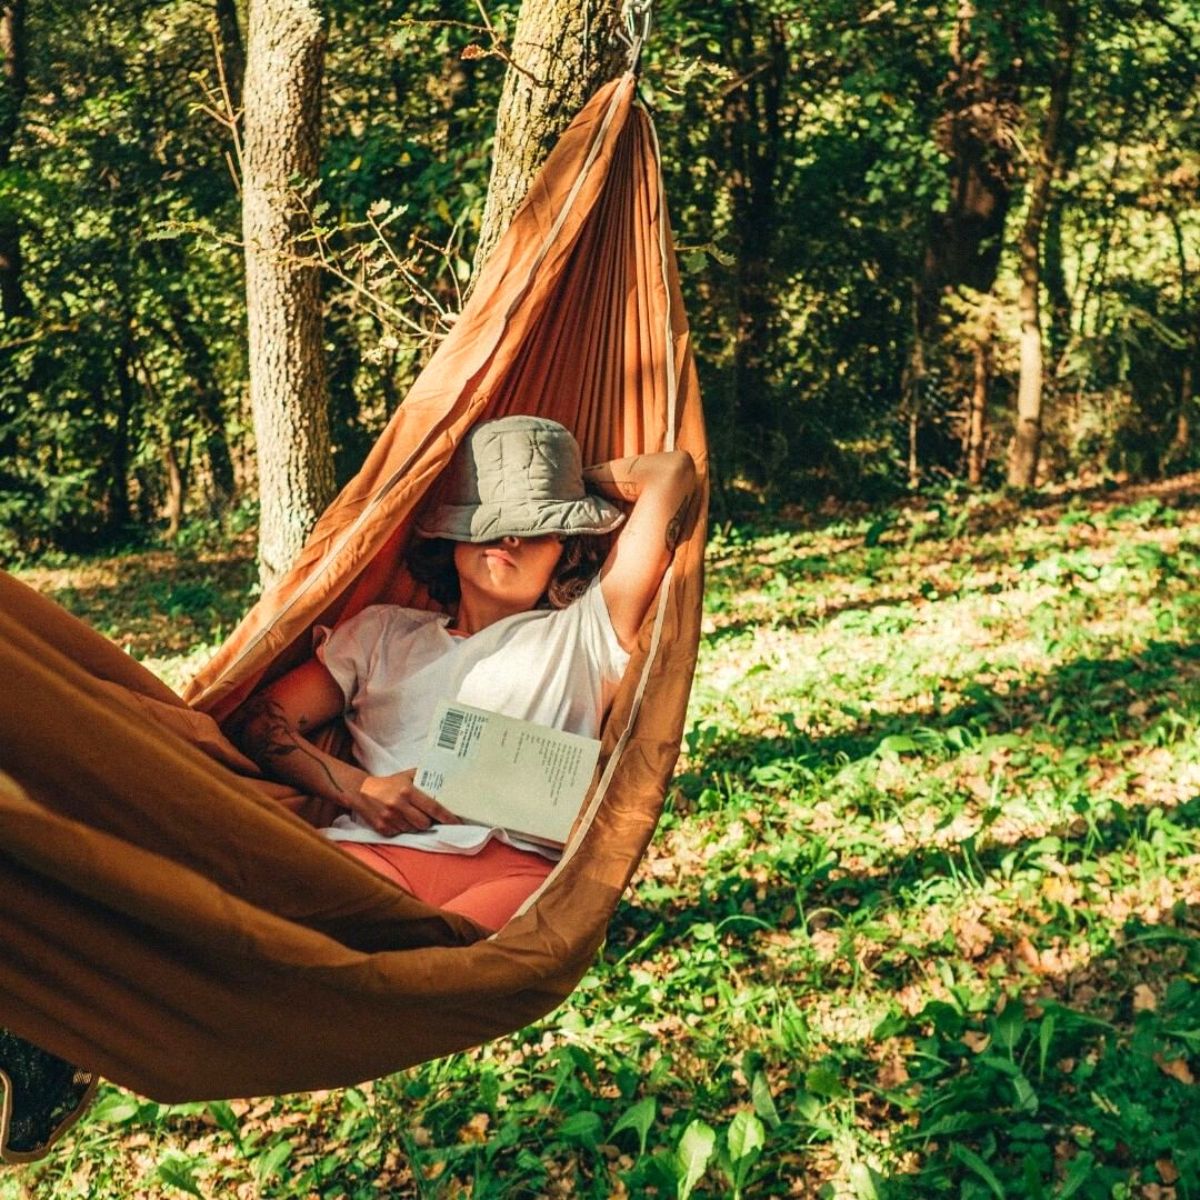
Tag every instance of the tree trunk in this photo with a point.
(964, 242)
(1183, 417)
(913, 391)
(177, 482)
(119, 515)
(563, 51)
(976, 132)
(1027, 440)
(977, 410)
(752, 116)
(1058, 331)
(283, 300)
(13, 301)
(233, 52)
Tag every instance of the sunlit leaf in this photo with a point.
(640, 1118)
(692, 1156)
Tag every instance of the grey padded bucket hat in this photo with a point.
(519, 476)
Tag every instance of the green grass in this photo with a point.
(921, 920)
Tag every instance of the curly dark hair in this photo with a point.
(431, 562)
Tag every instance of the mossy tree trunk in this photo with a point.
(562, 51)
(282, 96)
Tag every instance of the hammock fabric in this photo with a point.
(168, 920)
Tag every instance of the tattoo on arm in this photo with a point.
(675, 524)
(268, 734)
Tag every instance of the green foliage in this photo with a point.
(921, 919)
(132, 353)
(131, 346)
(1030, 1078)
(806, 162)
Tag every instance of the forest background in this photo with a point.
(897, 224)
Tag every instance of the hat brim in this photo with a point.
(487, 522)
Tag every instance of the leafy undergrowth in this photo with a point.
(922, 920)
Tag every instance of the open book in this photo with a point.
(496, 770)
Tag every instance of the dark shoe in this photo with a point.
(43, 1097)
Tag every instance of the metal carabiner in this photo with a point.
(635, 21)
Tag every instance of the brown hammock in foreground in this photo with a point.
(166, 921)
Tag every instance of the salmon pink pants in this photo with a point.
(488, 887)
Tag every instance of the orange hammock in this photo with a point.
(166, 921)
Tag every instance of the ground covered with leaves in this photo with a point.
(922, 920)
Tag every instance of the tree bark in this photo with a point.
(177, 482)
(1027, 439)
(232, 50)
(1183, 416)
(964, 243)
(283, 301)
(977, 409)
(752, 116)
(1059, 316)
(913, 392)
(976, 132)
(563, 51)
(13, 301)
(119, 515)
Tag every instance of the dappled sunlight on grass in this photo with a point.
(156, 604)
(922, 919)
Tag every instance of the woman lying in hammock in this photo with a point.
(512, 550)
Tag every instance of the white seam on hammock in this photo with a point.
(391, 481)
(669, 341)
(664, 588)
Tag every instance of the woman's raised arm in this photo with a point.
(661, 487)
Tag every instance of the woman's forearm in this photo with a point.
(669, 475)
(269, 736)
(625, 478)
(273, 732)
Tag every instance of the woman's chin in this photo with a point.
(509, 593)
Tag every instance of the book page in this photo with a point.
(529, 779)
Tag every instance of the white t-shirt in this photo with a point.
(557, 667)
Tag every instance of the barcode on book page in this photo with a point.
(450, 728)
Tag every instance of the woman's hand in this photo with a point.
(392, 804)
